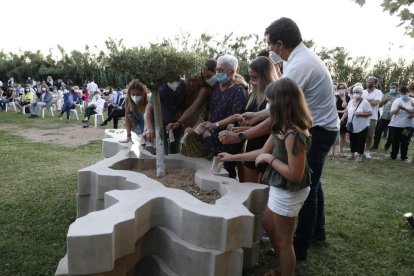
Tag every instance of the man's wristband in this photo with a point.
(271, 162)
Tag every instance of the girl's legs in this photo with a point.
(333, 148)
(341, 143)
(280, 230)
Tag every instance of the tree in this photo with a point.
(402, 9)
(155, 65)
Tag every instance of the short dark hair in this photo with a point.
(263, 53)
(286, 30)
(404, 89)
(210, 65)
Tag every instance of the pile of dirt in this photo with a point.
(183, 179)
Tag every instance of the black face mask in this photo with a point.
(371, 85)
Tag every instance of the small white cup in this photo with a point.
(184, 138)
(217, 164)
(171, 136)
(200, 129)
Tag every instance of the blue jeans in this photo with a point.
(311, 218)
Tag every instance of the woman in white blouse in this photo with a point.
(402, 110)
(358, 112)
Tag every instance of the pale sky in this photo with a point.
(42, 24)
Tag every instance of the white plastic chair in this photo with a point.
(12, 104)
(81, 107)
(24, 108)
(95, 116)
(50, 110)
(74, 111)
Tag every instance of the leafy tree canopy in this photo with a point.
(402, 8)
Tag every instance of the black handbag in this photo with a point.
(350, 126)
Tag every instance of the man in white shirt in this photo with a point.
(92, 87)
(307, 69)
(94, 107)
(373, 96)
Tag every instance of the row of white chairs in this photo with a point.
(95, 116)
(53, 107)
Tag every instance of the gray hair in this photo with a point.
(358, 88)
(229, 60)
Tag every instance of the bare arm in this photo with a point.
(248, 156)
(374, 102)
(201, 98)
(258, 130)
(227, 137)
(252, 118)
(384, 100)
(294, 170)
(128, 126)
(149, 118)
(363, 114)
(345, 116)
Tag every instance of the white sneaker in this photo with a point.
(367, 155)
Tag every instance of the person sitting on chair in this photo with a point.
(115, 114)
(94, 107)
(26, 99)
(70, 99)
(44, 100)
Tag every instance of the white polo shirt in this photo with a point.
(311, 74)
(374, 95)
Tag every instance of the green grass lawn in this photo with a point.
(365, 203)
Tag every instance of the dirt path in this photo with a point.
(70, 135)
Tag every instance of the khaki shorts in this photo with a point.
(371, 129)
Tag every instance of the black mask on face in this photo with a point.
(371, 85)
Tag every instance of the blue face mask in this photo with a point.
(405, 97)
(222, 77)
(393, 91)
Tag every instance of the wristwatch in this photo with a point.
(242, 137)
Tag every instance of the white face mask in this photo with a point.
(43, 89)
(357, 96)
(97, 97)
(136, 99)
(212, 81)
(275, 57)
(173, 85)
